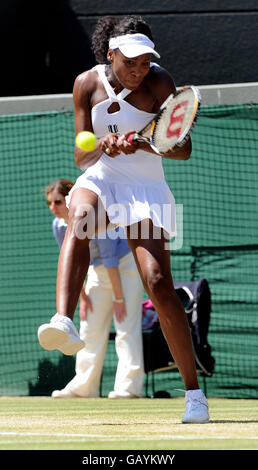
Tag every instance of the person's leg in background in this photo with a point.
(95, 333)
(130, 369)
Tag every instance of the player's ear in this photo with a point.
(110, 55)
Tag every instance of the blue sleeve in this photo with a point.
(59, 232)
(108, 251)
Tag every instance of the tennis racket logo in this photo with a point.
(172, 125)
(176, 119)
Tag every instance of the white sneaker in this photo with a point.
(60, 334)
(63, 394)
(197, 408)
(121, 395)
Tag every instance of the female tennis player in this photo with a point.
(124, 185)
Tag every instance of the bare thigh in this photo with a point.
(86, 217)
(87, 214)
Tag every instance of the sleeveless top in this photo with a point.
(138, 168)
(131, 187)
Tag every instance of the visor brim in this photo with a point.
(136, 50)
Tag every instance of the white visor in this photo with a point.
(133, 45)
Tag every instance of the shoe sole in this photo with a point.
(51, 338)
(119, 397)
(71, 347)
(65, 397)
(200, 421)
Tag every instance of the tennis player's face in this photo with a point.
(56, 203)
(130, 72)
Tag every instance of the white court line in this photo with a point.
(120, 438)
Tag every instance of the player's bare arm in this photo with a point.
(85, 88)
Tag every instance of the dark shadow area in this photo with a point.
(238, 421)
(46, 44)
(52, 376)
(44, 47)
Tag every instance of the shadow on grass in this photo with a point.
(226, 421)
(52, 376)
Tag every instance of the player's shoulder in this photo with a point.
(87, 75)
(86, 82)
(160, 82)
(158, 75)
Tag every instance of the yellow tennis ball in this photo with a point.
(86, 141)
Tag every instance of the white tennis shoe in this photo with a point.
(63, 394)
(60, 334)
(197, 408)
(118, 395)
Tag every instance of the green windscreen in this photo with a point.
(217, 191)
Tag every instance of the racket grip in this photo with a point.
(132, 139)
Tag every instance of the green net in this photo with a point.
(218, 188)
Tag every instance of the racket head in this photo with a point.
(173, 124)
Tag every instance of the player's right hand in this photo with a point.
(108, 145)
(85, 306)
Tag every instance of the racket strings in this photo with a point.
(176, 120)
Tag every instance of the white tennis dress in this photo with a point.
(131, 187)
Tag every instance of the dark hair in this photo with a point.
(111, 26)
(62, 185)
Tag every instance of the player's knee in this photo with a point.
(157, 284)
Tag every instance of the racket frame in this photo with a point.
(138, 137)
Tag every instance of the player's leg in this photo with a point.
(86, 213)
(153, 262)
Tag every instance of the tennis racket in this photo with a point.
(171, 127)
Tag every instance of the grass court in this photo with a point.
(44, 423)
